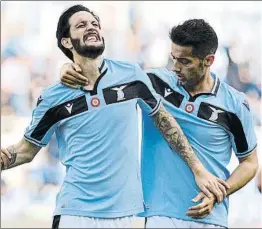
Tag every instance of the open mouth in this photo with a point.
(92, 37)
(180, 77)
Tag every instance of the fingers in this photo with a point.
(201, 216)
(203, 209)
(223, 190)
(199, 213)
(76, 77)
(65, 68)
(217, 192)
(199, 197)
(6, 152)
(67, 79)
(198, 207)
(224, 183)
(76, 67)
(4, 162)
(220, 191)
(5, 158)
(206, 191)
(71, 85)
(72, 72)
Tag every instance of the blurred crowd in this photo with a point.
(134, 31)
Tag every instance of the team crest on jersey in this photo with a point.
(214, 114)
(120, 92)
(189, 108)
(95, 102)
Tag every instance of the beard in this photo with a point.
(89, 51)
(196, 77)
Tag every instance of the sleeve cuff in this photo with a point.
(246, 154)
(156, 109)
(35, 142)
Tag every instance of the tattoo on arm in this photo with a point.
(175, 137)
(13, 153)
(21, 153)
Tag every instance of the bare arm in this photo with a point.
(18, 154)
(244, 172)
(176, 139)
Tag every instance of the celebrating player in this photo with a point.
(214, 117)
(97, 132)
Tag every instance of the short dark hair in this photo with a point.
(63, 27)
(198, 34)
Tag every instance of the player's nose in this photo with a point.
(176, 67)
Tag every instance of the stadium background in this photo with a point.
(134, 31)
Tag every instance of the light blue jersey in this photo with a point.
(214, 123)
(97, 133)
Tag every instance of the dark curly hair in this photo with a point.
(198, 34)
(63, 27)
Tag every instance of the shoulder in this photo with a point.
(127, 71)
(161, 73)
(58, 93)
(122, 65)
(233, 97)
(232, 94)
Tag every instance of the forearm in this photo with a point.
(245, 172)
(176, 139)
(21, 153)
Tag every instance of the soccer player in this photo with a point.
(97, 132)
(214, 117)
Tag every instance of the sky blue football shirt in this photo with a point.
(97, 134)
(214, 123)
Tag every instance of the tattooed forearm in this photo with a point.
(175, 137)
(18, 154)
(12, 155)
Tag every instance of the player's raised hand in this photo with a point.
(208, 184)
(70, 75)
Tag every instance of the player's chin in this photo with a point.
(182, 82)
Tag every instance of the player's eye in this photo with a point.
(184, 61)
(81, 26)
(95, 24)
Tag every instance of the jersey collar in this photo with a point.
(216, 85)
(103, 66)
(103, 70)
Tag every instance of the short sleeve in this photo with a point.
(41, 127)
(149, 100)
(245, 130)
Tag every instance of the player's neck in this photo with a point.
(90, 67)
(204, 86)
